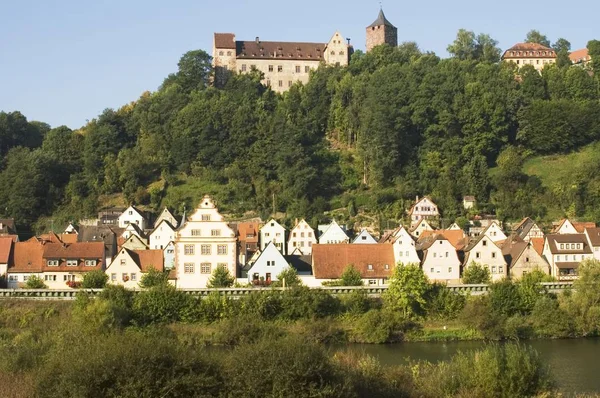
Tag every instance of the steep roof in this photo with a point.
(147, 259)
(91, 250)
(302, 263)
(554, 240)
(26, 257)
(68, 238)
(531, 50)
(454, 236)
(330, 260)
(248, 231)
(581, 226)
(5, 247)
(225, 40)
(594, 235)
(512, 250)
(279, 50)
(538, 245)
(381, 20)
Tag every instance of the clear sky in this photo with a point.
(64, 61)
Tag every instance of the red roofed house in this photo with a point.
(62, 263)
(564, 252)
(129, 265)
(25, 261)
(440, 260)
(6, 245)
(593, 235)
(533, 54)
(580, 57)
(374, 262)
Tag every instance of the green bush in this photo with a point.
(35, 282)
(290, 275)
(94, 279)
(221, 278)
(380, 326)
(244, 330)
(357, 302)
(505, 298)
(550, 320)
(265, 305)
(161, 304)
(476, 273)
(479, 315)
(214, 308)
(441, 303)
(351, 277)
(153, 278)
(305, 303)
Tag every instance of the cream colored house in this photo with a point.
(129, 266)
(564, 252)
(274, 232)
(421, 227)
(522, 258)
(131, 215)
(440, 259)
(423, 209)
(302, 238)
(405, 247)
(533, 54)
(484, 251)
(201, 244)
(494, 232)
(134, 242)
(593, 236)
(166, 215)
(162, 235)
(332, 234)
(364, 237)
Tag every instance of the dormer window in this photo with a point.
(52, 263)
(71, 263)
(90, 263)
(205, 217)
(370, 267)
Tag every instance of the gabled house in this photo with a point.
(423, 209)
(64, 263)
(103, 233)
(6, 245)
(469, 202)
(166, 215)
(333, 234)
(364, 237)
(301, 239)
(564, 252)
(134, 229)
(132, 215)
(71, 229)
(572, 227)
(274, 232)
(26, 260)
(528, 229)
(162, 235)
(440, 260)
(374, 262)
(404, 246)
(134, 242)
(202, 243)
(456, 237)
(593, 236)
(129, 266)
(522, 258)
(109, 216)
(494, 232)
(247, 235)
(267, 266)
(420, 227)
(484, 251)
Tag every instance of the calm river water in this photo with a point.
(575, 364)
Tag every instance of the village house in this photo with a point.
(454, 227)
(267, 266)
(566, 226)
(202, 243)
(364, 237)
(484, 251)
(129, 266)
(469, 202)
(63, 263)
(7, 226)
(26, 261)
(6, 244)
(302, 238)
(423, 209)
(522, 258)
(108, 235)
(169, 256)
(109, 216)
(162, 235)
(456, 237)
(421, 226)
(132, 215)
(533, 54)
(564, 252)
(374, 262)
(333, 234)
(440, 260)
(593, 236)
(528, 229)
(166, 215)
(404, 246)
(274, 232)
(246, 233)
(134, 242)
(581, 57)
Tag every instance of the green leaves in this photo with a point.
(407, 289)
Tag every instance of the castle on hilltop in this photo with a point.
(284, 63)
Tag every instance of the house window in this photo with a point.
(434, 255)
(122, 262)
(221, 53)
(407, 253)
(387, 266)
(205, 268)
(188, 250)
(449, 269)
(493, 254)
(188, 268)
(224, 265)
(215, 232)
(526, 259)
(71, 263)
(500, 269)
(221, 249)
(494, 269)
(13, 278)
(270, 263)
(67, 278)
(400, 254)
(477, 255)
(243, 67)
(281, 83)
(196, 232)
(297, 68)
(279, 68)
(205, 249)
(301, 243)
(113, 277)
(125, 277)
(557, 258)
(294, 234)
(484, 243)
(133, 277)
(306, 69)
(372, 282)
(130, 212)
(205, 217)
(290, 83)
(562, 246)
(50, 278)
(446, 254)
(270, 68)
(52, 263)
(370, 267)
(431, 270)
(267, 234)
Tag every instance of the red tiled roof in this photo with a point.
(5, 247)
(68, 238)
(578, 56)
(329, 261)
(594, 235)
(225, 40)
(26, 257)
(554, 240)
(454, 236)
(280, 50)
(529, 50)
(581, 226)
(538, 245)
(90, 250)
(248, 232)
(147, 259)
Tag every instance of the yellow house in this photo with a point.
(129, 265)
(533, 54)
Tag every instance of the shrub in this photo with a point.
(35, 282)
(221, 278)
(478, 314)
(505, 298)
(94, 279)
(476, 273)
(161, 304)
(351, 277)
(244, 330)
(214, 307)
(290, 275)
(154, 278)
(379, 326)
(407, 288)
(549, 320)
(441, 303)
(265, 305)
(305, 303)
(356, 303)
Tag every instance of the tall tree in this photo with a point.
(534, 36)
(562, 48)
(195, 71)
(468, 46)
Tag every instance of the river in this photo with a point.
(575, 363)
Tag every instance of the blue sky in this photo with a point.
(64, 61)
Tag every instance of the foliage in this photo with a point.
(94, 279)
(441, 303)
(351, 277)
(221, 278)
(35, 282)
(154, 277)
(407, 289)
(290, 275)
(161, 304)
(476, 273)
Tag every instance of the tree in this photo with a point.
(290, 275)
(94, 279)
(154, 277)
(562, 48)
(593, 47)
(535, 36)
(35, 282)
(221, 278)
(195, 71)
(407, 289)
(468, 46)
(351, 277)
(475, 274)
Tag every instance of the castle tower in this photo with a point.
(381, 32)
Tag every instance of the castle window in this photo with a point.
(221, 53)
(290, 83)
(281, 83)
(341, 53)
(297, 68)
(243, 67)
(270, 68)
(279, 68)
(229, 53)
(332, 52)
(306, 69)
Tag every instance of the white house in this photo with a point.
(405, 247)
(364, 237)
(274, 232)
(134, 229)
(129, 265)
(169, 256)
(494, 232)
(301, 239)
(593, 235)
(204, 242)
(332, 234)
(564, 252)
(162, 235)
(454, 227)
(267, 266)
(131, 215)
(423, 209)
(528, 229)
(166, 215)
(571, 227)
(484, 251)
(469, 202)
(440, 260)
(421, 226)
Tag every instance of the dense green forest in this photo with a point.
(396, 123)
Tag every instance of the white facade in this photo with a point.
(454, 227)
(166, 215)
(124, 271)
(440, 262)
(201, 244)
(422, 226)
(405, 250)
(274, 232)
(302, 237)
(486, 253)
(132, 216)
(169, 255)
(566, 227)
(364, 238)
(494, 232)
(163, 234)
(423, 209)
(269, 264)
(334, 234)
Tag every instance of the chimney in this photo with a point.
(295, 222)
(257, 40)
(417, 198)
